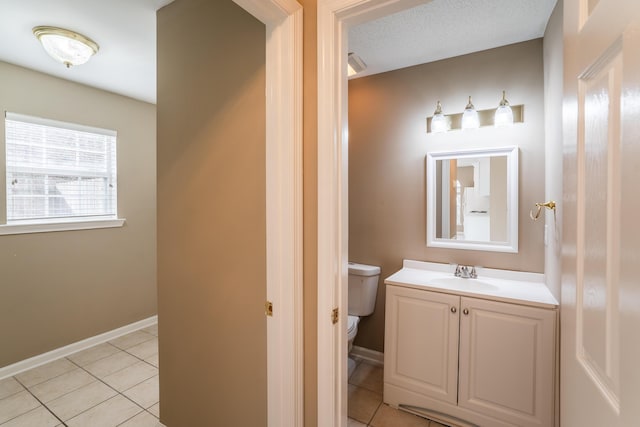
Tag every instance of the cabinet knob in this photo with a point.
(465, 311)
(453, 309)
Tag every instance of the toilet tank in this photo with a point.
(363, 288)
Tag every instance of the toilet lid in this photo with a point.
(352, 323)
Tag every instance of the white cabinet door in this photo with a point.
(507, 361)
(421, 342)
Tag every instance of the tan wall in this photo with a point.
(387, 148)
(59, 288)
(211, 215)
(498, 196)
(553, 75)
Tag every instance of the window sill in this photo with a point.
(26, 227)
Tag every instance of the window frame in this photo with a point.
(50, 224)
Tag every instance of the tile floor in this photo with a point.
(116, 384)
(365, 402)
(110, 384)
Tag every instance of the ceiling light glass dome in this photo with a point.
(65, 46)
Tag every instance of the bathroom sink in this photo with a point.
(460, 283)
(494, 284)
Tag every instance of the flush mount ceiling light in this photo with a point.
(504, 114)
(355, 64)
(470, 119)
(65, 46)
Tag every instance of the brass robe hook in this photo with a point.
(549, 205)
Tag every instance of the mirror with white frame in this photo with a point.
(472, 199)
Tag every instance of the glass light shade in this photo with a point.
(66, 46)
(439, 121)
(470, 119)
(504, 114)
(504, 117)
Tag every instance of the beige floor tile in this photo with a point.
(353, 423)
(100, 351)
(368, 376)
(80, 400)
(390, 417)
(45, 372)
(155, 410)
(153, 360)
(39, 417)
(153, 329)
(144, 394)
(145, 349)
(111, 364)
(134, 338)
(143, 419)
(362, 403)
(17, 404)
(61, 385)
(110, 413)
(9, 386)
(130, 376)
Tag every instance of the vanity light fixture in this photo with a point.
(504, 115)
(470, 119)
(355, 64)
(439, 121)
(66, 46)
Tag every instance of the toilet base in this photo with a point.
(351, 366)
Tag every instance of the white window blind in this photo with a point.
(58, 170)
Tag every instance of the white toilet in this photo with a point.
(363, 288)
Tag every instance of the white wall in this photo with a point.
(552, 47)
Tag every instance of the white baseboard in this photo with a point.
(50, 356)
(371, 356)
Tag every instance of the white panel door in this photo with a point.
(600, 385)
(421, 342)
(507, 361)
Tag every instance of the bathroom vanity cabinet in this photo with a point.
(469, 359)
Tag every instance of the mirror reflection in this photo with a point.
(472, 194)
(472, 199)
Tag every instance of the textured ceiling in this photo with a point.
(446, 28)
(124, 29)
(126, 33)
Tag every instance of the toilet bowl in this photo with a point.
(352, 329)
(363, 288)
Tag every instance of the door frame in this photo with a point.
(334, 19)
(283, 68)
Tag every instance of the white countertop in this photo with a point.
(498, 285)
